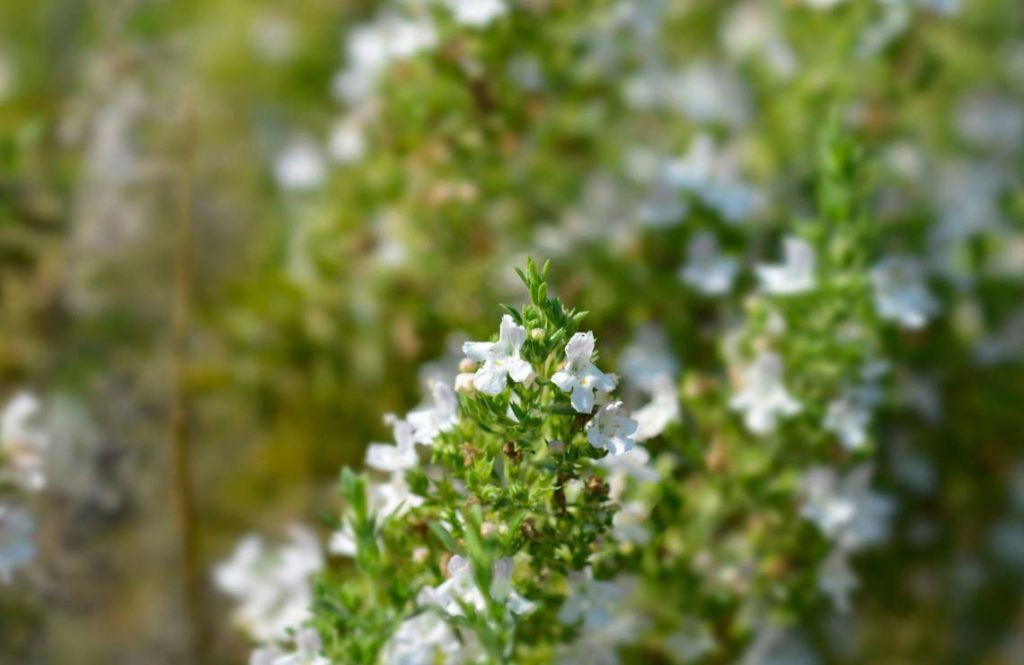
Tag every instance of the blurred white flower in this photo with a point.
(710, 93)
(629, 524)
(795, 275)
(706, 270)
(426, 639)
(660, 412)
(647, 358)
(611, 429)
(372, 47)
(476, 13)
(307, 651)
(849, 415)
(837, 580)
(23, 443)
(580, 376)
(901, 294)
(752, 30)
(398, 457)
(461, 589)
(17, 540)
(845, 509)
(271, 584)
(761, 396)
(500, 359)
(440, 416)
(691, 641)
(347, 142)
(713, 175)
(300, 166)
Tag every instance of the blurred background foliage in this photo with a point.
(312, 311)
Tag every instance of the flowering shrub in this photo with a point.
(796, 227)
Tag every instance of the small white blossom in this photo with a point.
(17, 540)
(634, 463)
(347, 143)
(307, 651)
(594, 602)
(837, 580)
(271, 584)
(580, 376)
(23, 443)
(706, 270)
(845, 509)
(612, 430)
(500, 359)
(460, 588)
(901, 294)
(660, 412)
(398, 457)
(762, 397)
(476, 13)
(647, 359)
(629, 524)
(691, 641)
(300, 166)
(425, 639)
(441, 416)
(849, 415)
(795, 275)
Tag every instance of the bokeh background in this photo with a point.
(193, 251)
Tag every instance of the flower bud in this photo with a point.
(537, 334)
(488, 530)
(556, 446)
(464, 384)
(420, 555)
(467, 366)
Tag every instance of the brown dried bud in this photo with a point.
(469, 453)
(511, 452)
(596, 486)
(717, 457)
(529, 530)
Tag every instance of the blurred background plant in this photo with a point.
(337, 191)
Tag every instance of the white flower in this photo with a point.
(660, 412)
(713, 176)
(629, 524)
(901, 294)
(460, 589)
(425, 639)
(710, 93)
(849, 415)
(300, 166)
(271, 584)
(398, 457)
(634, 463)
(372, 47)
(17, 540)
(763, 398)
(476, 13)
(441, 416)
(500, 359)
(580, 376)
(347, 143)
(773, 645)
(752, 31)
(23, 443)
(646, 360)
(837, 580)
(691, 641)
(795, 275)
(307, 650)
(595, 603)
(706, 270)
(845, 509)
(393, 497)
(611, 429)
